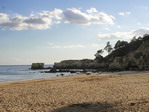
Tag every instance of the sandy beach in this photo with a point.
(82, 93)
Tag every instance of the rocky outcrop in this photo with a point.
(53, 70)
(132, 61)
(75, 64)
(37, 66)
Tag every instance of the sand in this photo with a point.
(83, 93)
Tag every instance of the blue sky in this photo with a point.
(53, 30)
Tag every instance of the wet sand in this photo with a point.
(83, 93)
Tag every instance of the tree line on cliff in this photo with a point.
(124, 55)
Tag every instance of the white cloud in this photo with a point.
(26, 23)
(73, 46)
(117, 35)
(141, 31)
(91, 10)
(54, 14)
(3, 17)
(75, 16)
(123, 35)
(52, 45)
(42, 20)
(124, 13)
(45, 19)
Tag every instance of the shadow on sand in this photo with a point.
(88, 107)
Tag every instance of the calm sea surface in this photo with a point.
(22, 72)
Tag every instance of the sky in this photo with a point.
(50, 31)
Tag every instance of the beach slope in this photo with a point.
(83, 93)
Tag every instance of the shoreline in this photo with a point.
(102, 73)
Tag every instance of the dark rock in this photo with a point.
(53, 70)
(64, 70)
(62, 75)
(88, 73)
(72, 71)
(37, 66)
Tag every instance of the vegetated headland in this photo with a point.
(123, 56)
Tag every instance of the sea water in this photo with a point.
(23, 72)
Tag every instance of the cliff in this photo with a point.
(136, 59)
(131, 56)
(134, 56)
